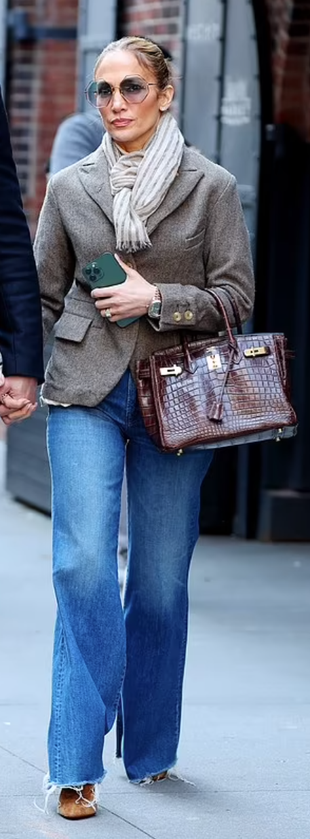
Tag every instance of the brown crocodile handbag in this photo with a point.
(220, 391)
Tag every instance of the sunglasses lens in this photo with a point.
(99, 94)
(104, 93)
(134, 90)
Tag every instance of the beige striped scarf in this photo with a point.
(140, 180)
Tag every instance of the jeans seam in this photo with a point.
(58, 703)
(115, 706)
(133, 415)
(180, 681)
(128, 406)
(183, 648)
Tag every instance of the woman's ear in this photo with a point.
(166, 97)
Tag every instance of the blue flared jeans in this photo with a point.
(102, 650)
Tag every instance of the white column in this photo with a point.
(97, 27)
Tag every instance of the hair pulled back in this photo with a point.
(147, 53)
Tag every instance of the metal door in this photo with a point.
(221, 102)
(221, 117)
(97, 27)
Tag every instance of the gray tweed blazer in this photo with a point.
(199, 241)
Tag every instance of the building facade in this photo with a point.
(243, 98)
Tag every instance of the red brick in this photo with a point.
(37, 100)
(289, 23)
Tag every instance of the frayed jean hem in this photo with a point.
(74, 785)
(147, 778)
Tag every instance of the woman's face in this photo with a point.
(131, 125)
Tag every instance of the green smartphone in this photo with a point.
(105, 271)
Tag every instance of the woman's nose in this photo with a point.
(117, 100)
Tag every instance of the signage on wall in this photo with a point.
(206, 32)
(236, 103)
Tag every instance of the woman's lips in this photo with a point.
(121, 123)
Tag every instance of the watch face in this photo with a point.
(154, 309)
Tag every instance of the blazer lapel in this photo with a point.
(95, 179)
(180, 189)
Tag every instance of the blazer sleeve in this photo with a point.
(55, 260)
(228, 265)
(20, 308)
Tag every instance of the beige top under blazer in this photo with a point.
(199, 241)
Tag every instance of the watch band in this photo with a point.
(154, 309)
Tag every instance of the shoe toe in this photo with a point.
(77, 803)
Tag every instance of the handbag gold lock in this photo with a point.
(252, 352)
(175, 370)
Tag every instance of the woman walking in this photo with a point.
(175, 223)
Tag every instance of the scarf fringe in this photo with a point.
(130, 247)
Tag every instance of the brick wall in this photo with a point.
(41, 91)
(158, 19)
(41, 87)
(290, 30)
(20, 96)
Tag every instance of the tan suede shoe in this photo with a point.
(160, 777)
(77, 804)
(151, 779)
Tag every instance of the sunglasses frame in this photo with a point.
(118, 87)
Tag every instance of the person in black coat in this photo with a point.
(21, 351)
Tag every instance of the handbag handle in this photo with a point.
(235, 309)
(222, 309)
(215, 411)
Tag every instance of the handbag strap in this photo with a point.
(235, 309)
(215, 410)
(222, 310)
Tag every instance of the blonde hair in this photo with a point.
(148, 54)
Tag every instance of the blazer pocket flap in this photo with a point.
(72, 327)
(190, 241)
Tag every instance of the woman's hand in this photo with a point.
(129, 299)
(17, 398)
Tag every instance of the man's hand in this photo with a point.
(17, 398)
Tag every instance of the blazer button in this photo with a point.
(188, 315)
(177, 317)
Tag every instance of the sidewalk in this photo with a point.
(246, 722)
